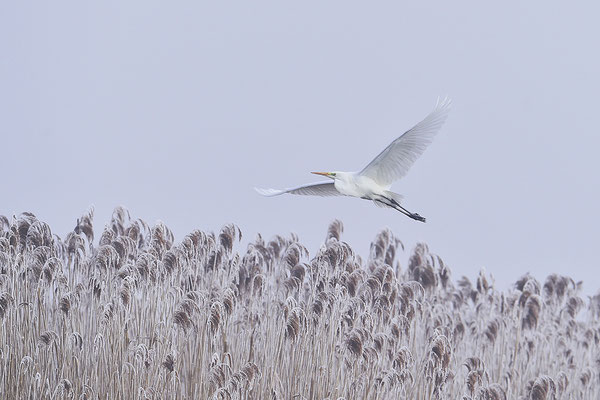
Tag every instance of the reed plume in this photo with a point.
(141, 315)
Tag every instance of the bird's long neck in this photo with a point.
(343, 176)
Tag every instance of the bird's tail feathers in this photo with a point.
(381, 204)
(397, 197)
(393, 197)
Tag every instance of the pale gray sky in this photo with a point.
(177, 109)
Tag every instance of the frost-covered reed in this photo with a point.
(139, 316)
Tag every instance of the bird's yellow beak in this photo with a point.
(322, 173)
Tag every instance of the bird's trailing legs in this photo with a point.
(390, 202)
(414, 216)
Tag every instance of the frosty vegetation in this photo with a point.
(138, 316)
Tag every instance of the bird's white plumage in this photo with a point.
(356, 185)
(396, 159)
(374, 181)
(312, 189)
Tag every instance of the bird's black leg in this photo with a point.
(414, 216)
(394, 204)
(382, 201)
(417, 217)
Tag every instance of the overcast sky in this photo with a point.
(176, 110)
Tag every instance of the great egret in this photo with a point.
(374, 181)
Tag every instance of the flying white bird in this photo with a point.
(374, 181)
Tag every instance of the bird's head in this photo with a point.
(331, 175)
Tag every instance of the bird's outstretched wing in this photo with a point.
(312, 189)
(396, 159)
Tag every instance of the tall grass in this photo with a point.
(139, 316)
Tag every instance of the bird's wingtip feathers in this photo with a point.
(443, 104)
(267, 192)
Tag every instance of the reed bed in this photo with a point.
(138, 316)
